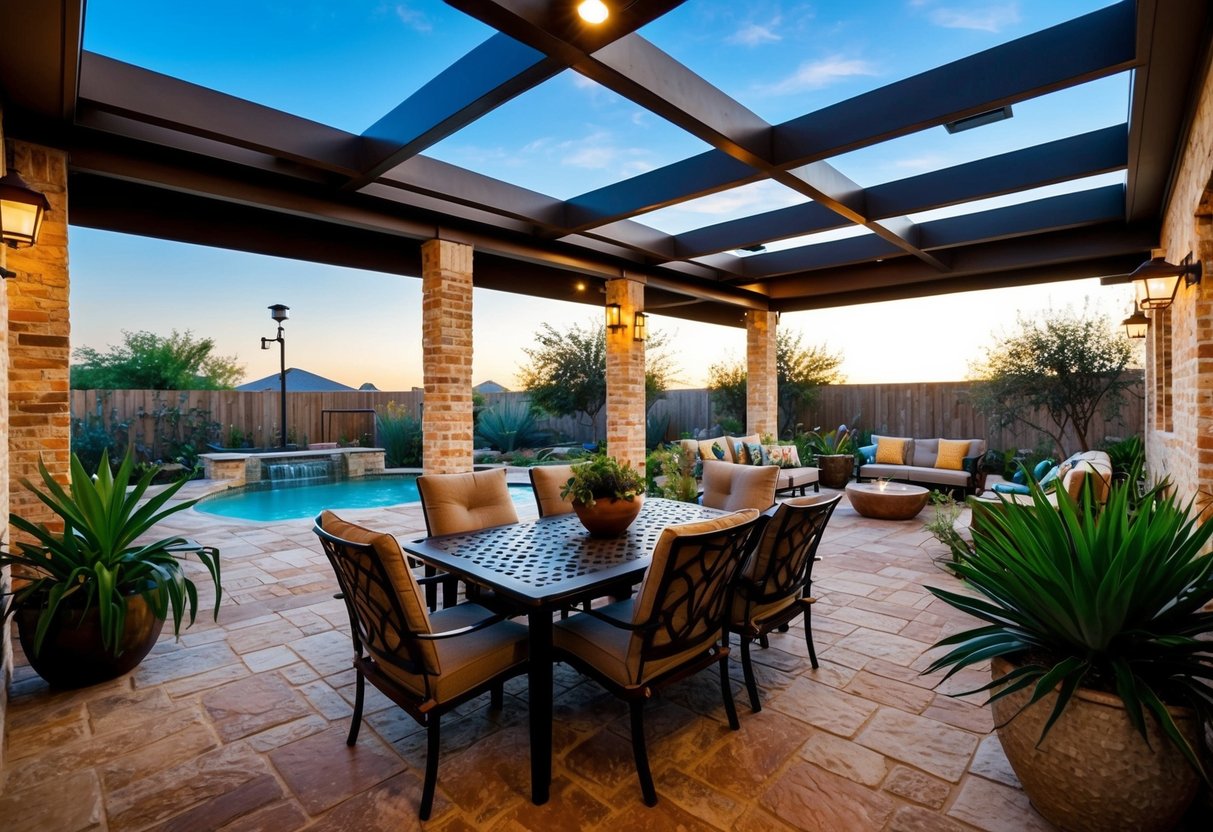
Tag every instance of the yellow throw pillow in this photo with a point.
(891, 450)
(952, 453)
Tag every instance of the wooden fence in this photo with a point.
(926, 409)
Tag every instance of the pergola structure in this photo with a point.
(145, 153)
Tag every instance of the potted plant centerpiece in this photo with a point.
(1095, 625)
(606, 494)
(834, 451)
(91, 600)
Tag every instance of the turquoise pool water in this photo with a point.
(292, 502)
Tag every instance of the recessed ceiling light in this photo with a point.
(593, 11)
(979, 120)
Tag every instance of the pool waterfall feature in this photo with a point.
(293, 467)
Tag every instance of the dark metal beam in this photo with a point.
(39, 57)
(1083, 49)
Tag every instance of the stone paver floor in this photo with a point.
(241, 725)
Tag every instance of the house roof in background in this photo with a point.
(297, 381)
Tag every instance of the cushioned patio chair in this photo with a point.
(674, 627)
(734, 487)
(772, 587)
(546, 483)
(427, 664)
(457, 503)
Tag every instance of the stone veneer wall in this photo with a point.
(446, 346)
(762, 381)
(625, 405)
(1183, 449)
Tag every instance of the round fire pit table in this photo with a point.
(887, 500)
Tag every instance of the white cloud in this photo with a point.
(581, 82)
(992, 18)
(770, 195)
(930, 161)
(415, 19)
(815, 75)
(598, 151)
(753, 34)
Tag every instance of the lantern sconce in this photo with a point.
(614, 316)
(1136, 324)
(21, 210)
(640, 330)
(1156, 281)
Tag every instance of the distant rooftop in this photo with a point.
(297, 381)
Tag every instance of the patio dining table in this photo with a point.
(546, 565)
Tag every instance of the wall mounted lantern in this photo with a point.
(1156, 281)
(280, 313)
(640, 330)
(614, 313)
(21, 211)
(1136, 324)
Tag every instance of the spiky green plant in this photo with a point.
(1077, 595)
(509, 426)
(95, 559)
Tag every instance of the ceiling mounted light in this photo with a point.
(21, 211)
(979, 120)
(593, 11)
(1156, 281)
(1136, 324)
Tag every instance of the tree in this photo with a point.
(799, 370)
(146, 361)
(567, 371)
(1054, 375)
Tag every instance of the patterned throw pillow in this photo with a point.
(740, 455)
(715, 449)
(774, 454)
(756, 453)
(791, 456)
(891, 450)
(951, 454)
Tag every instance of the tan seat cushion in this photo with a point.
(733, 487)
(757, 612)
(547, 481)
(468, 660)
(416, 616)
(1095, 466)
(455, 503)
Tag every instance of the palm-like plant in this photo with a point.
(95, 560)
(1110, 599)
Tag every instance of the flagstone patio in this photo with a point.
(241, 725)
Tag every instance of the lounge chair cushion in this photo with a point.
(733, 487)
(455, 503)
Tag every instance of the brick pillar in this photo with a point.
(625, 376)
(38, 337)
(446, 348)
(762, 385)
(6, 659)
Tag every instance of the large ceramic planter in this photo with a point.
(834, 470)
(72, 653)
(608, 517)
(1094, 771)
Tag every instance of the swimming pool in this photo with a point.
(291, 502)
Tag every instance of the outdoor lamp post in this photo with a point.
(280, 313)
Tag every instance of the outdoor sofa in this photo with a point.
(740, 450)
(1093, 467)
(947, 462)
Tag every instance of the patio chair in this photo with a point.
(772, 587)
(427, 664)
(546, 483)
(455, 503)
(676, 625)
(734, 487)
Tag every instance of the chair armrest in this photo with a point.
(613, 621)
(462, 631)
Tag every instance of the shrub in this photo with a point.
(400, 435)
(508, 426)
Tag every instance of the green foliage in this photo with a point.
(655, 428)
(94, 435)
(567, 371)
(94, 560)
(800, 370)
(1055, 375)
(1128, 457)
(508, 426)
(677, 464)
(146, 361)
(945, 511)
(838, 441)
(400, 436)
(600, 478)
(1075, 596)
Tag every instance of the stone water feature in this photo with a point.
(296, 467)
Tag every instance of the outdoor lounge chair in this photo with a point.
(426, 664)
(773, 585)
(674, 627)
(734, 487)
(547, 482)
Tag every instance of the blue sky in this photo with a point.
(347, 62)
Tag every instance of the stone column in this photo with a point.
(446, 348)
(625, 376)
(762, 386)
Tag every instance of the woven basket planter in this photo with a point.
(1094, 771)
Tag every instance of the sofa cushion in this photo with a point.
(869, 453)
(913, 473)
(952, 453)
(924, 453)
(1093, 465)
(894, 450)
(718, 448)
(741, 448)
(756, 453)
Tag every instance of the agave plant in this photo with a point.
(95, 559)
(508, 426)
(1110, 599)
(831, 442)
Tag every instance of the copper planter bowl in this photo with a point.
(834, 470)
(608, 517)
